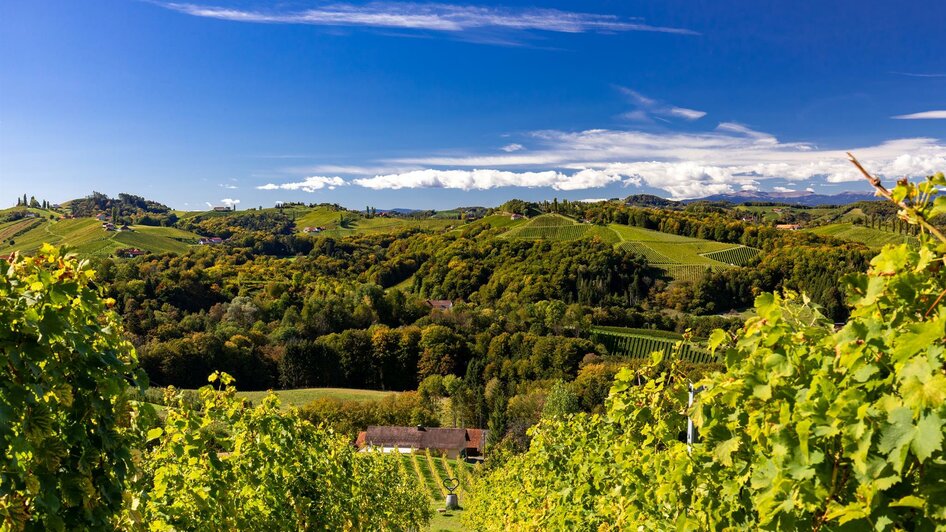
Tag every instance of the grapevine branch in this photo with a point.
(882, 190)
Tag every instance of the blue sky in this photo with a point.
(433, 105)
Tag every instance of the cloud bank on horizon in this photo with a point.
(686, 165)
(729, 158)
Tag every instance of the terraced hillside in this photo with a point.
(874, 238)
(681, 256)
(86, 236)
(556, 227)
(737, 256)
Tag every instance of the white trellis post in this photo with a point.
(691, 431)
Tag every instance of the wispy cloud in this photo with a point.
(509, 148)
(309, 184)
(228, 186)
(647, 108)
(429, 16)
(920, 75)
(925, 115)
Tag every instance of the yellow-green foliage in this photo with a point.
(224, 466)
(67, 427)
(76, 452)
(809, 428)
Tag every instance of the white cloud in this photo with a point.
(925, 115)
(230, 202)
(685, 165)
(230, 187)
(509, 148)
(810, 189)
(784, 189)
(486, 179)
(689, 114)
(429, 16)
(309, 184)
(649, 108)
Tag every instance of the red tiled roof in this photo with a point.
(417, 437)
(440, 304)
(475, 439)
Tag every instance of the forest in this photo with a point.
(280, 309)
(521, 349)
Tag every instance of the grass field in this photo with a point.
(874, 238)
(303, 396)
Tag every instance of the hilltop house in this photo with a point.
(129, 252)
(442, 305)
(222, 209)
(516, 216)
(210, 241)
(101, 217)
(788, 227)
(452, 442)
(314, 229)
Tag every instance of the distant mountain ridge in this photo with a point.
(808, 199)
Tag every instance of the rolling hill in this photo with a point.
(873, 238)
(86, 235)
(680, 256)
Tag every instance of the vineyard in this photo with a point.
(431, 470)
(550, 227)
(737, 256)
(639, 343)
(87, 236)
(871, 237)
(653, 256)
(683, 258)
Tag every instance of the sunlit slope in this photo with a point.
(874, 238)
(681, 257)
(86, 236)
